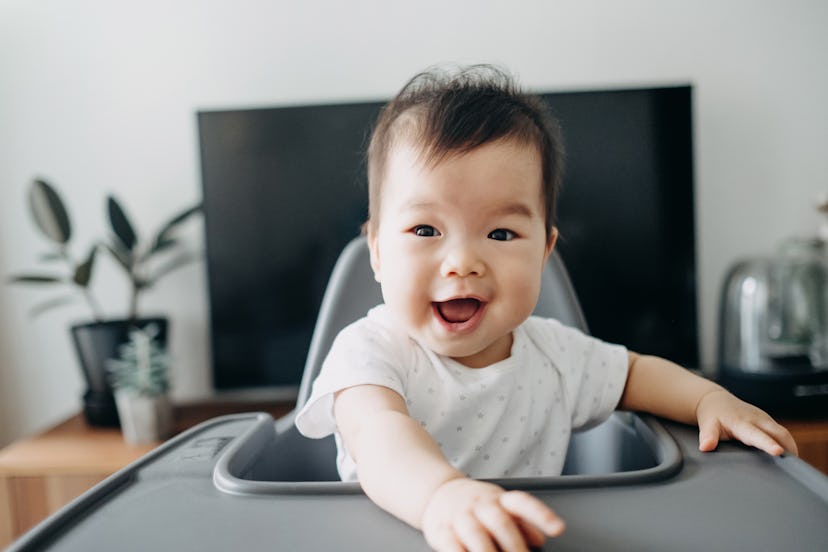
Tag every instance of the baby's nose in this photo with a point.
(462, 260)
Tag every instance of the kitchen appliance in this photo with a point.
(773, 349)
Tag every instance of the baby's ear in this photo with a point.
(373, 249)
(550, 243)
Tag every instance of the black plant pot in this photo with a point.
(96, 343)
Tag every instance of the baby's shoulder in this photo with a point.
(556, 340)
(539, 327)
(377, 323)
(373, 334)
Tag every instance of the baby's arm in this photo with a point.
(402, 469)
(665, 389)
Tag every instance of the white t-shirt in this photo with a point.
(510, 419)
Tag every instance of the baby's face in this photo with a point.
(460, 247)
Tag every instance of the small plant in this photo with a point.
(142, 366)
(136, 257)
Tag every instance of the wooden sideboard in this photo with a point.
(811, 437)
(40, 474)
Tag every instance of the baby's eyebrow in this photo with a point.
(515, 208)
(420, 205)
(512, 208)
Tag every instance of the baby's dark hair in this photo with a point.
(449, 113)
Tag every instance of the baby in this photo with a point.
(452, 379)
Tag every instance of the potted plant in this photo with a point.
(140, 379)
(144, 262)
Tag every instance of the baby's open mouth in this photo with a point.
(457, 311)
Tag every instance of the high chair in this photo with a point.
(350, 293)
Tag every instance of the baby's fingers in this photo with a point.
(531, 510)
(781, 435)
(444, 540)
(531, 534)
(501, 526)
(754, 436)
(709, 434)
(474, 536)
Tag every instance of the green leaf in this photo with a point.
(142, 364)
(83, 272)
(49, 213)
(50, 304)
(121, 226)
(163, 234)
(35, 279)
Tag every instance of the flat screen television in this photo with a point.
(285, 189)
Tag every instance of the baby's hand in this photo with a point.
(465, 514)
(722, 416)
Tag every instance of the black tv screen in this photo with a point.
(285, 189)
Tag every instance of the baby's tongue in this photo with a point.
(458, 310)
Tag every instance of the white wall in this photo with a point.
(100, 96)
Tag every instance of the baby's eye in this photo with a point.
(501, 234)
(425, 231)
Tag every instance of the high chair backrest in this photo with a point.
(352, 292)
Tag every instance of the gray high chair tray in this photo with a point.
(247, 482)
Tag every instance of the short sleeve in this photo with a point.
(593, 372)
(364, 353)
